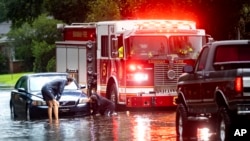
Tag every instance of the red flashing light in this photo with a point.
(132, 67)
(238, 84)
(135, 67)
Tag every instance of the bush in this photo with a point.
(4, 63)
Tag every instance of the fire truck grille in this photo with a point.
(161, 74)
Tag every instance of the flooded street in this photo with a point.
(126, 126)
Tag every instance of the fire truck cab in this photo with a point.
(136, 62)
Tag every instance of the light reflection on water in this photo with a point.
(121, 127)
(126, 126)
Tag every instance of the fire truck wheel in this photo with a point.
(113, 94)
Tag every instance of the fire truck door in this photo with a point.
(72, 59)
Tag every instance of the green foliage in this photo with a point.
(22, 42)
(42, 53)
(22, 11)
(3, 10)
(101, 10)
(35, 44)
(51, 66)
(45, 29)
(68, 11)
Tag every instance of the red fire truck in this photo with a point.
(135, 63)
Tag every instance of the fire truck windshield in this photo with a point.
(186, 46)
(160, 47)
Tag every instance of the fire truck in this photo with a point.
(134, 63)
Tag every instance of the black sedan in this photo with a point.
(26, 99)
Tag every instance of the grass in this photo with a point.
(10, 79)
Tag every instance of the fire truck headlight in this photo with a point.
(140, 77)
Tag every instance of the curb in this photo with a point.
(6, 87)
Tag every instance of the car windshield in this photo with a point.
(37, 82)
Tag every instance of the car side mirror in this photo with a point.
(188, 69)
(82, 86)
(21, 90)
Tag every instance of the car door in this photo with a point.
(196, 95)
(19, 98)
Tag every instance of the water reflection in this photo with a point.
(131, 126)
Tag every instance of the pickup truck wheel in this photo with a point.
(181, 121)
(224, 124)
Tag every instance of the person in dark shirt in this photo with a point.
(102, 105)
(52, 92)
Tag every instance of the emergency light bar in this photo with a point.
(166, 24)
(123, 25)
(166, 31)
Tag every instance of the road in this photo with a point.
(126, 126)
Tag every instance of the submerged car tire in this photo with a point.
(12, 111)
(224, 125)
(27, 113)
(181, 122)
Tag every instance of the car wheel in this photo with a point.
(12, 111)
(181, 121)
(27, 113)
(224, 124)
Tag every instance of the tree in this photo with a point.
(68, 11)
(22, 43)
(3, 10)
(21, 11)
(35, 43)
(101, 10)
(3, 63)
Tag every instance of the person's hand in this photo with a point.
(58, 97)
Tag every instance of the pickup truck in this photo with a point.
(216, 89)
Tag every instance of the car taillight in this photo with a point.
(238, 84)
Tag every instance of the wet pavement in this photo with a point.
(126, 126)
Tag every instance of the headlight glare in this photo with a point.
(83, 100)
(38, 103)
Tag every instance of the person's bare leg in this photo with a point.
(55, 109)
(50, 106)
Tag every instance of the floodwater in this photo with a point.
(126, 126)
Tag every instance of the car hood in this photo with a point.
(67, 95)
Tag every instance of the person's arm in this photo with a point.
(61, 88)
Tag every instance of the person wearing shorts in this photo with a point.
(52, 92)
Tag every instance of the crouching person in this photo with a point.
(102, 105)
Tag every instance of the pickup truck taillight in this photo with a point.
(238, 84)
